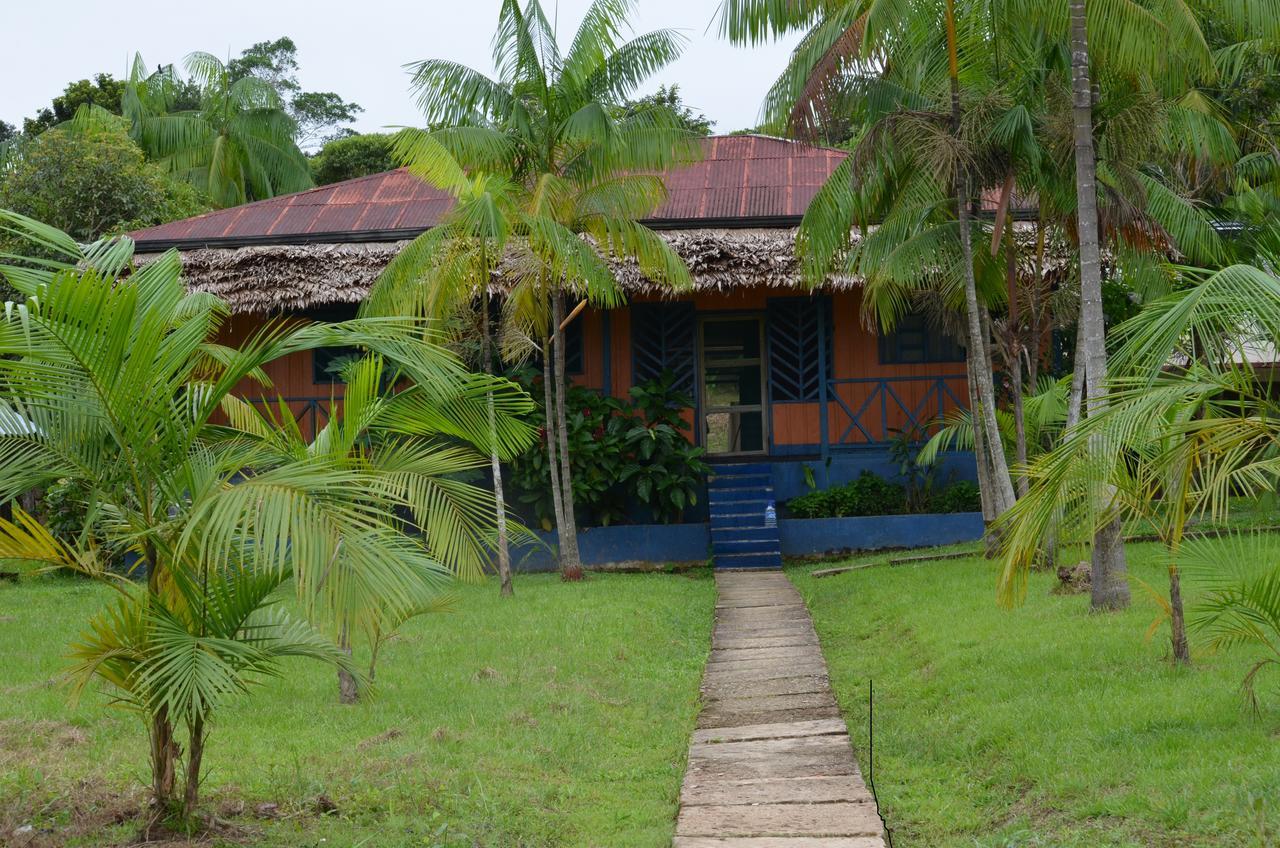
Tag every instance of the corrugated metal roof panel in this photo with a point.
(740, 177)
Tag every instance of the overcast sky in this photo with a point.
(354, 47)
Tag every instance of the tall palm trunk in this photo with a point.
(1075, 400)
(1109, 577)
(979, 437)
(1015, 361)
(1002, 496)
(506, 589)
(570, 561)
(553, 450)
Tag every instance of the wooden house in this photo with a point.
(779, 374)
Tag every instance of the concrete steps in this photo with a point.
(739, 495)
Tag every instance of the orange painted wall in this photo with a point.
(855, 354)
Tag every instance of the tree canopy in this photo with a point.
(92, 183)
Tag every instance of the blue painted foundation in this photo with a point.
(816, 536)
(638, 545)
(657, 545)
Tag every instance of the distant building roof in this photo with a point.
(742, 181)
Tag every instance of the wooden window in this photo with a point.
(913, 340)
(664, 338)
(794, 330)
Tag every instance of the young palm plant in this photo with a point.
(118, 381)
(580, 166)
(240, 145)
(424, 441)
(1189, 424)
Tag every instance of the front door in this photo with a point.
(733, 385)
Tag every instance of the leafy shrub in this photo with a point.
(961, 496)
(871, 494)
(622, 453)
(93, 182)
(867, 495)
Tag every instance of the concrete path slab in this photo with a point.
(771, 764)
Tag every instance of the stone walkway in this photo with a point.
(771, 765)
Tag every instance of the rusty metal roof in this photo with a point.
(746, 180)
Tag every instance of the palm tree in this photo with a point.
(905, 63)
(1188, 425)
(115, 372)
(240, 145)
(442, 274)
(551, 123)
(424, 440)
(879, 59)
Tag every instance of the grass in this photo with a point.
(1044, 725)
(561, 717)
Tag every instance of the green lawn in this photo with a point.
(1043, 726)
(561, 717)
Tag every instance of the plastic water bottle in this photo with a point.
(771, 515)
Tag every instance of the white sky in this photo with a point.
(354, 47)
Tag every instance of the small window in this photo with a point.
(574, 353)
(914, 341)
(328, 363)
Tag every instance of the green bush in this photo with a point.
(92, 182)
(623, 453)
(961, 496)
(871, 494)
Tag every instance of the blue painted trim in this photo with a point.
(689, 544)
(815, 536)
(646, 544)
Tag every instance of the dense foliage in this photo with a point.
(92, 182)
(318, 115)
(351, 156)
(668, 98)
(624, 454)
(103, 91)
(871, 494)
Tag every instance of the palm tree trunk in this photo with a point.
(571, 562)
(1110, 573)
(164, 761)
(979, 438)
(1015, 362)
(195, 754)
(348, 691)
(1177, 618)
(1075, 401)
(549, 432)
(506, 589)
(1002, 496)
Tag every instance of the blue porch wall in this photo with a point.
(817, 536)
(622, 544)
(688, 544)
(844, 467)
